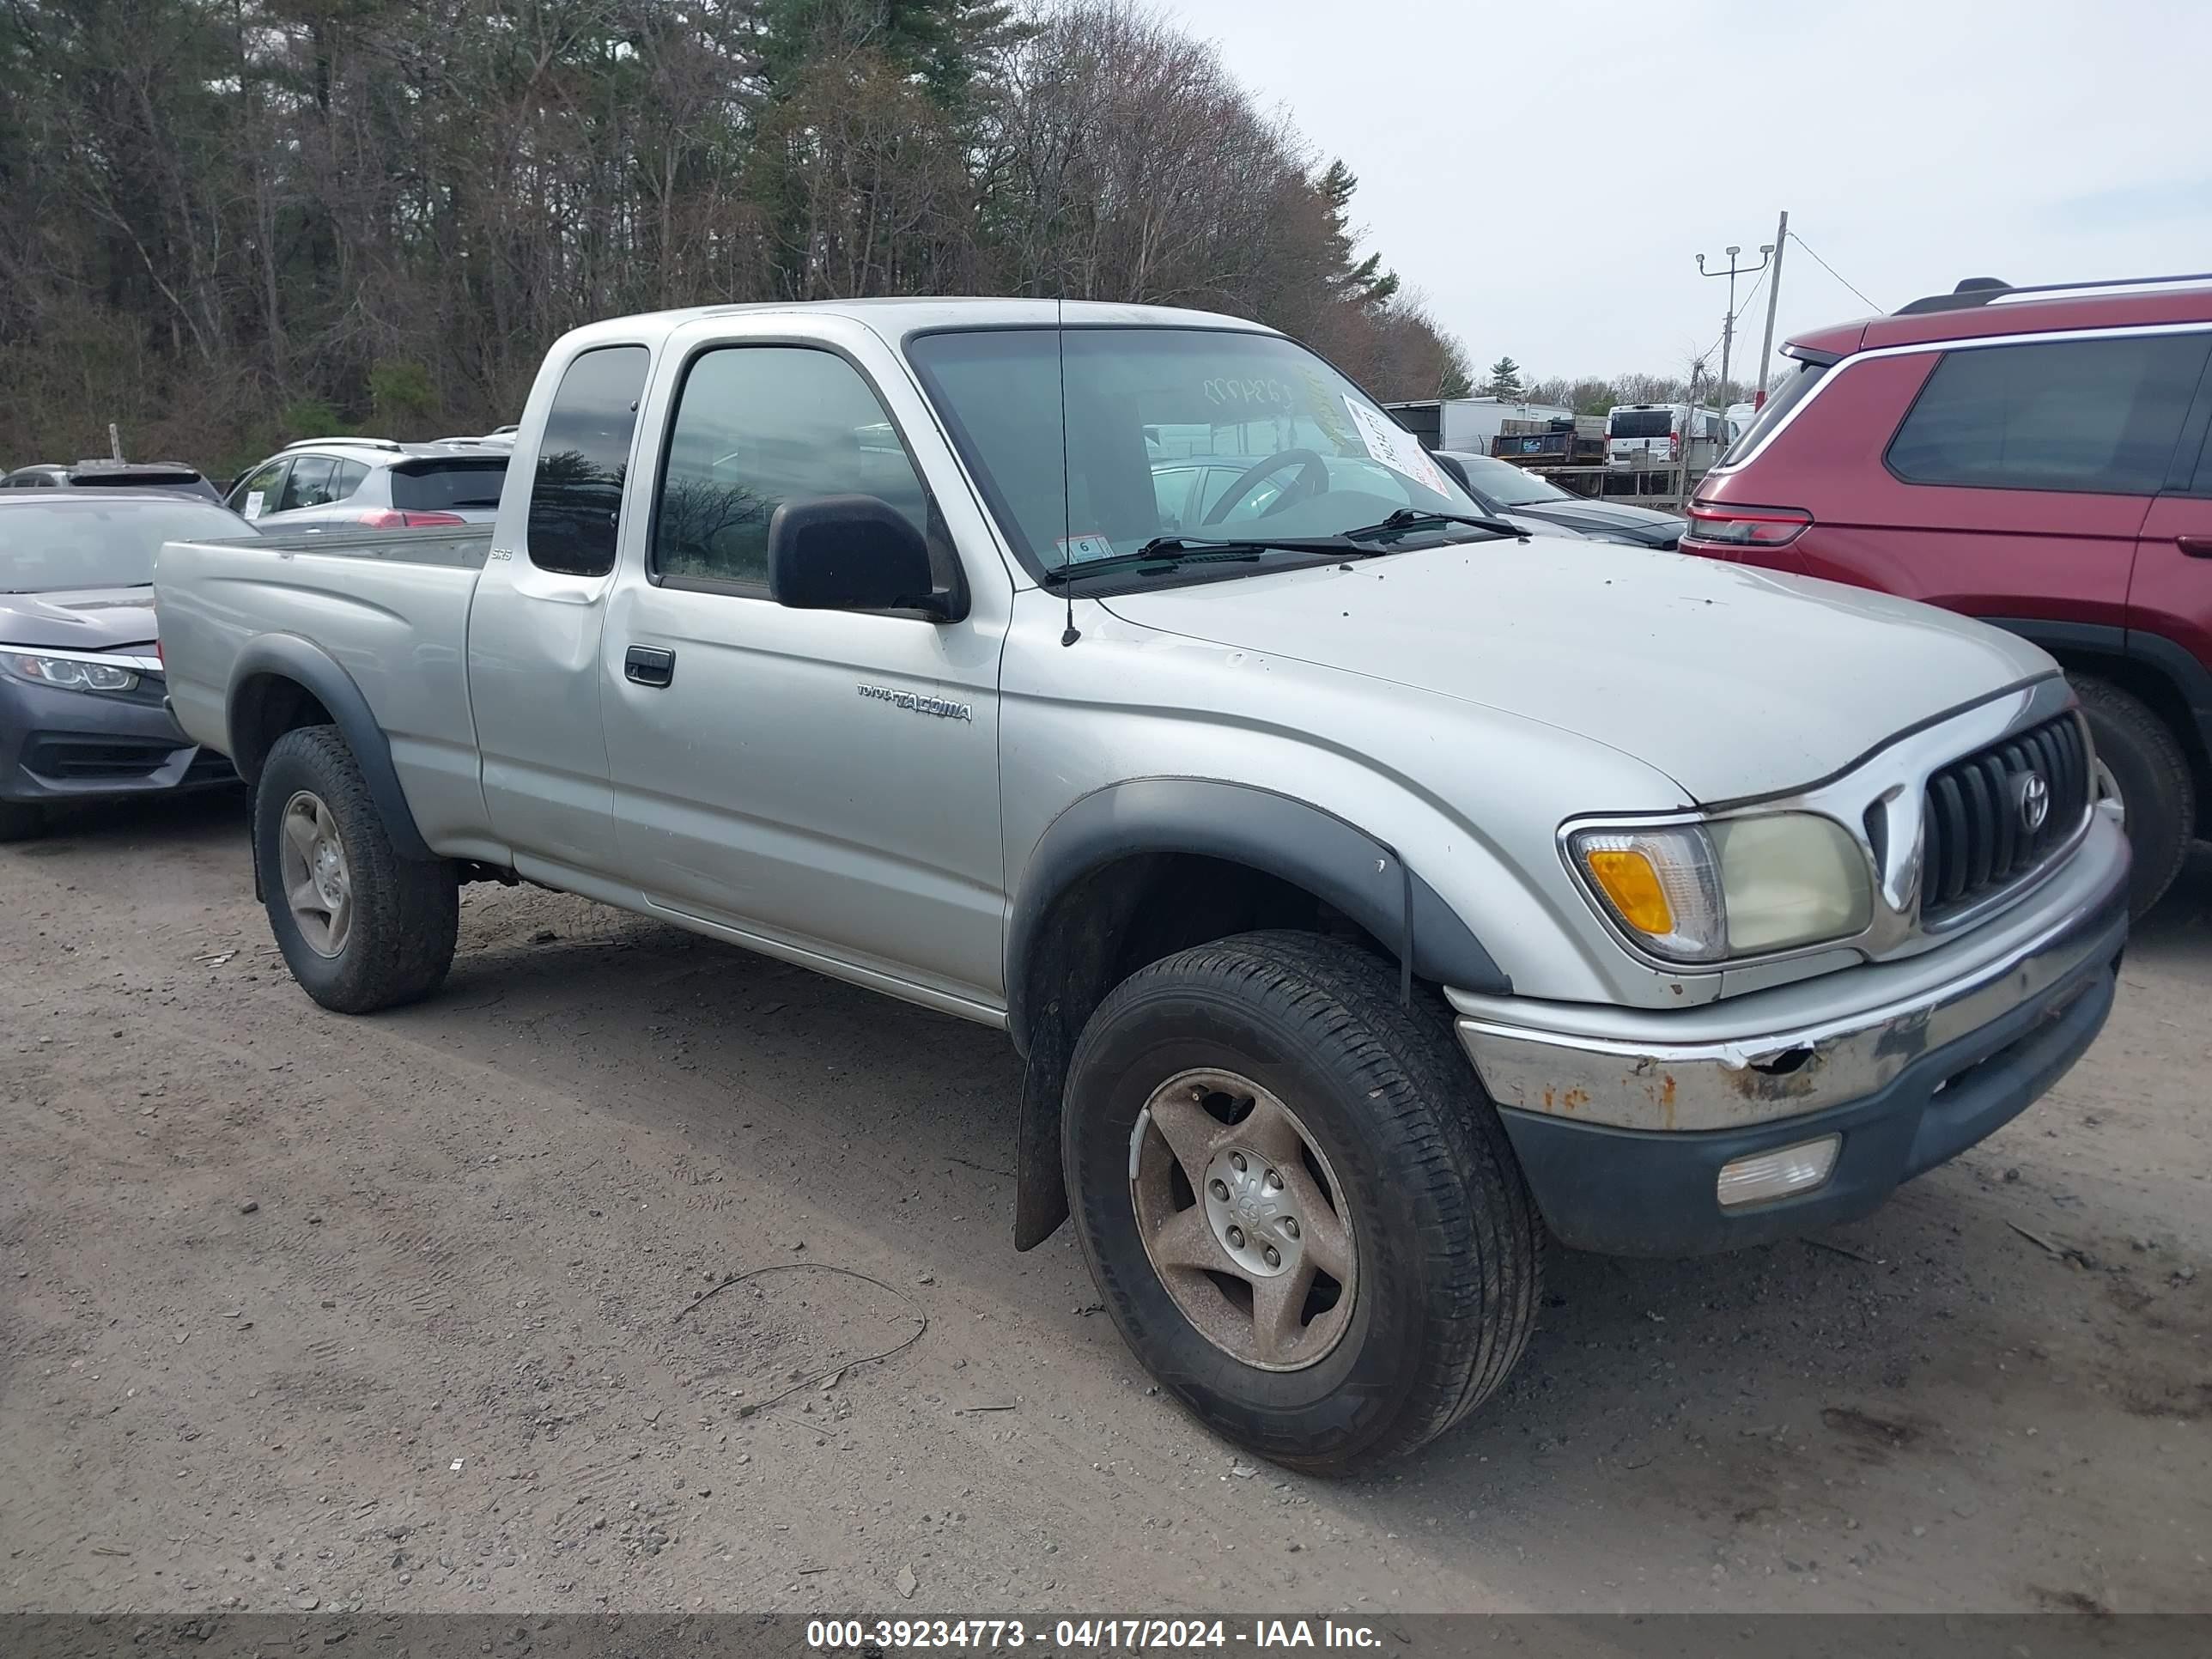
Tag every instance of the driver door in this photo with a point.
(823, 784)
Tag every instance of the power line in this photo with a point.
(1750, 294)
(1832, 270)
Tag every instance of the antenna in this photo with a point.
(1068, 635)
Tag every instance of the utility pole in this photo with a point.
(1728, 323)
(1689, 439)
(1773, 289)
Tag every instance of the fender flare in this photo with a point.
(287, 656)
(1356, 873)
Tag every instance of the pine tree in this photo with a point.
(1505, 378)
(943, 42)
(1365, 283)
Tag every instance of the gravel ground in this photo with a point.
(402, 1313)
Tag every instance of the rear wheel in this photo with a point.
(20, 821)
(360, 928)
(2140, 766)
(1297, 1205)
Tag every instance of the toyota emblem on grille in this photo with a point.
(2032, 796)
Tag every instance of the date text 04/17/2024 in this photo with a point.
(1087, 1635)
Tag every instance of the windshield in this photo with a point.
(52, 544)
(1641, 423)
(1205, 432)
(1507, 484)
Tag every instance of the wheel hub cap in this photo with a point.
(1250, 1212)
(329, 872)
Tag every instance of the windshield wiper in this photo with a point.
(1407, 518)
(1164, 553)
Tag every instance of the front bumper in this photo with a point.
(58, 746)
(1623, 1135)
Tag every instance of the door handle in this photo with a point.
(2198, 547)
(648, 664)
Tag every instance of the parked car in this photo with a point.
(1366, 887)
(1189, 489)
(2035, 456)
(81, 685)
(1506, 489)
(1649, 435)
(162, 477)
(353, 484)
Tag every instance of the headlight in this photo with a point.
(1741, 887)
(66, 673)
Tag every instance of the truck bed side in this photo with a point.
(388, 612)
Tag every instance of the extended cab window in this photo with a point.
(2079, 414)
(575, 500)
(755, 426)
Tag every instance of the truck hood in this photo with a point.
(1733, 681)
(88, 619)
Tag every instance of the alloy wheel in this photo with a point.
(312, 868)
(1244, 1221)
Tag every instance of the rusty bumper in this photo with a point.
(1623, 1135)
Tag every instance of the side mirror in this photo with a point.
(850, 553)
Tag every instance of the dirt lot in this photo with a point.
(393, 1312)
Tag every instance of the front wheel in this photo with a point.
(360, 928)
(1297, 1205)
(2142, 770)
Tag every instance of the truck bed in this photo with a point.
(390, 607)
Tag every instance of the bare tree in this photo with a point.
(236, 221)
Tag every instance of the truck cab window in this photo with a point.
(575, 498)
(755, 426)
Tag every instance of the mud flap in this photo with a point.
(1040, 1189)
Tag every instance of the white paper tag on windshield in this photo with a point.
(1394, 446)
(253, 504)
(1076, 549)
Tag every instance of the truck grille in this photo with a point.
(1979, 837)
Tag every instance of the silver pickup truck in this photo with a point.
(1370, 888)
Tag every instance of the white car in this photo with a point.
(373, 483)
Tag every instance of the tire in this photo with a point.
(20, 821)
(400, 915)
(2152, 777)
(1443, 1243)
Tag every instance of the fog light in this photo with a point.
(1777, 1174)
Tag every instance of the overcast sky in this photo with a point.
(1523, 163)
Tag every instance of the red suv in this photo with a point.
(2033, 457)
